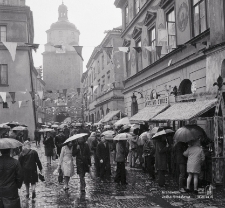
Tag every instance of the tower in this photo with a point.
(62, 67)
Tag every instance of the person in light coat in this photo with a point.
(195, 156)
(66, 164)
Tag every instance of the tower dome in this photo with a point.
(63, 12)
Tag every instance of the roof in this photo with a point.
(111, 114)
(185, 110)
(148, 113)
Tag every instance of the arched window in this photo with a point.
(185, 87)
(134, 105)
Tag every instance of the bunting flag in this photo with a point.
(124, 49)
(12, 94)
(159, 50)
(95, 87)
(20, 102)
(11, 46)
(79, 51)
(108, 51)
(3, 95)
(40, 93)
(138, 49)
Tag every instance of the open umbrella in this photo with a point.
(188, 133)
(163, 132)
(122, 121)
(123, 137)
(46, 130)
(54, 126)
(125, 128)
(19, 128)
(8, 143)
(13, 124)
(108, 134)
(74, 137)
(4, 126)
(159, 128)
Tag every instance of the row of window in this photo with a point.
(199, 26)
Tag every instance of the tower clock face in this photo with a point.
(182, 17)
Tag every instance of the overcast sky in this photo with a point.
(91, 17)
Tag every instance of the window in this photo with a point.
(170, 18)
(137, 6)
(199, 16)
(102, 61)
(139, 57)
(152, 43)
(126, 15)
(128, 63)
(3, 33)
(5, 105)
(3, 74)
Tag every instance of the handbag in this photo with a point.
(41, 177)
(60, 176)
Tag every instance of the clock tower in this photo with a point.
(62, 67)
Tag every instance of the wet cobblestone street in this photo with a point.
(139, 193)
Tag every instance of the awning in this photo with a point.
(185, 110)
(148, 113)
(112, 114)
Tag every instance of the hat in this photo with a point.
(26, 143)
(93, 134)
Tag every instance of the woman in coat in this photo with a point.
(49, 146)
(29, 161)
(161, 149)
(83, 160)
(120, 159)
(195, 156)
(66, 164)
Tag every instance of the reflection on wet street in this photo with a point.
(140, 192)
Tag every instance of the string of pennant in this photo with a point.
(12, 46)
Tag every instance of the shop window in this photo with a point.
(2, 33)
(199, 16)
(185, 87)
(152, 43)
(170, 18)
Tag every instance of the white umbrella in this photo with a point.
(46, 130)
(8, 143)
(122, 121)
(55, 126)
(163, 132)
(4, 126)
(108, 134)
(123, 136)
(19, 128)
(74, 137)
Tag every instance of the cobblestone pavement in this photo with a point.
(139, 193)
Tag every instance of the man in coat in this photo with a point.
(102, 152)
(66, 132)
(83, 160)
(94, 145)
(11, 179)
(59, 140)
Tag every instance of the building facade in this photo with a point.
(103, 80)
(181, 48)
(16, 26)
(62, 67)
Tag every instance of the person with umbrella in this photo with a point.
(195, 156)
(29, 161)
(149, 152)
(11, 175)
(121, 154)
(59, 140)
(83, 159)
(49, 145)
(66, 163)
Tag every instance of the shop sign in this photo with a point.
(154, 102)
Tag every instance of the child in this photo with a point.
(195, 156)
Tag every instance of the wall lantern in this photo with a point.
(134, 98)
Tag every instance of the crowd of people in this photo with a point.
(156, 156)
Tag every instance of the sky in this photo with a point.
(91, 17)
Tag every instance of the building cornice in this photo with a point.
(109, 100)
